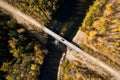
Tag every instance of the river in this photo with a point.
(69, 18)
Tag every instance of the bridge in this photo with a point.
(25, 19)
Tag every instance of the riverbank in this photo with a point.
(95, 37)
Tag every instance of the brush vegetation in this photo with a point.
(102, 29)
(21, 54)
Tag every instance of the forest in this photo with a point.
(24, 49)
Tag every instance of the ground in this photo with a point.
(98, 36)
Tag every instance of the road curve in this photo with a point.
(16, 12)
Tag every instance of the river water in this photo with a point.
(69, 18)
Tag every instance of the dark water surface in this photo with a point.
(70, 16)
